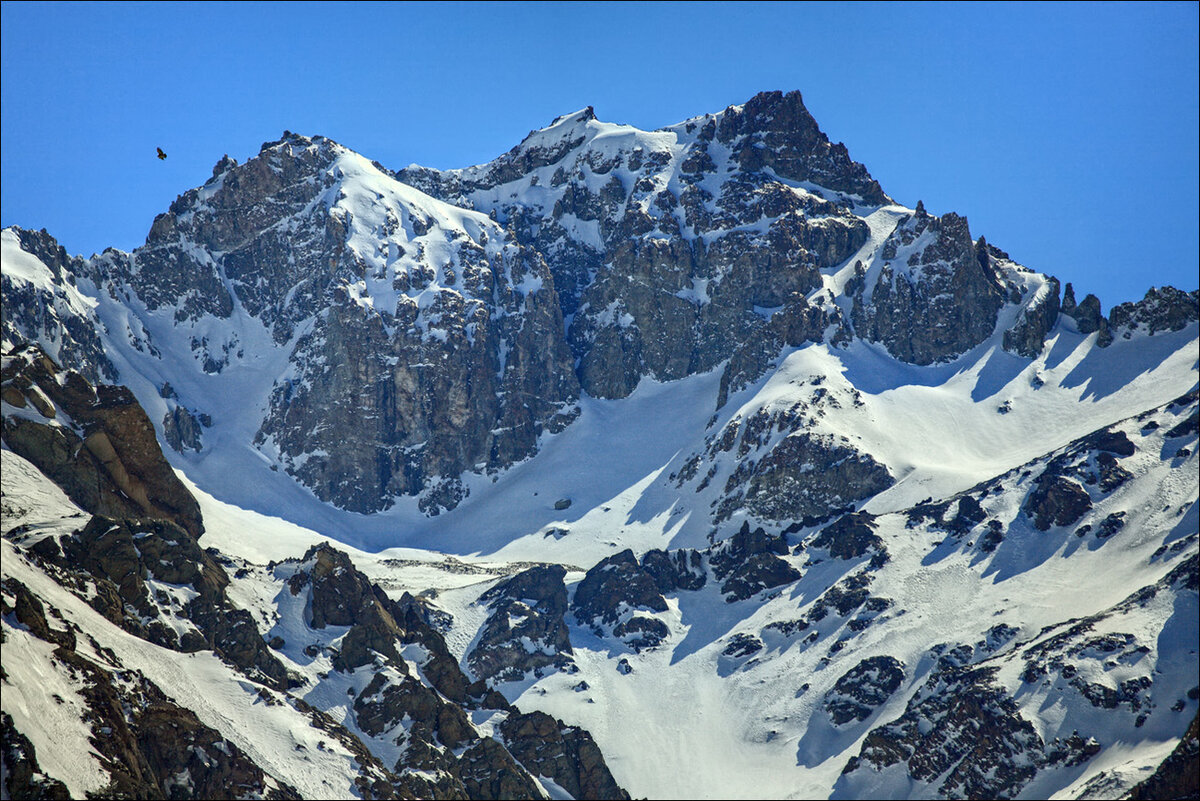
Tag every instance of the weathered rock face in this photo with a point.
(129, 561)
(796, 324)
(661, 256)
(775, 130)
(566, 754)
(863, 688)
(426, 712)
(1028, 336)
(380, 408)
(526, 631)
(102, 451)
(749, 562)
(434, 346)
(978, 746)
(850, 537)
(670, 308)
(42, 304)
(807, 475)
(614, 585)
(937, 294)
(1058, 501)
(675, 570)
(1165, 309)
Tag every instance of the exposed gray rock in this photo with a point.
(675, 570)
(936, 295)
(1027, 337)
(863, 688)
(805, 474)
(527, 608)
(182, 430)
(1162, 309)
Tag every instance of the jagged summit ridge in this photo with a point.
(424, 325)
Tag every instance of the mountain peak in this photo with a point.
(776, 130)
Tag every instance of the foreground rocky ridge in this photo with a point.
(147, 576)
(418, 718)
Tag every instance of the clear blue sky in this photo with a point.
(1066, 133)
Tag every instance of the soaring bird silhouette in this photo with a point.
(161, 154)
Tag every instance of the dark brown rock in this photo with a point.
(1057, 501)
(568, 755)
(615, 580)
(119, 470)
(850, 537)
(536, 599)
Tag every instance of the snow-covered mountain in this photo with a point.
(692, 442)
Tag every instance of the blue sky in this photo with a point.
(1067, 134)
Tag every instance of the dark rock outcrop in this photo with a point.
(940, 302)
(122, 556)
(775, 130)
(863, 688)
(444, 754)
(1057, 501)
(793, 326)
(529, 607)
(53, 316)
(1027, 337)
(964, 732)
(1086, 314)
(1179, 774)
(566, 754)
(675, 570)
(1162, 309)
(23, 777)
(150, 746)
(613, 582)
(749, 562)
(805, 475)
(106, 457)
(849, 537)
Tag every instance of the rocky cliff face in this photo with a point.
(96, 442)
(937, 293)
(427, 324)
(666, 245)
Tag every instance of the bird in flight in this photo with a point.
(161, 154)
